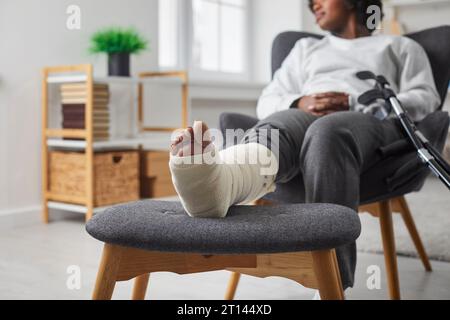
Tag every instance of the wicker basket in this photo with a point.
(116, 177)
(156, 180)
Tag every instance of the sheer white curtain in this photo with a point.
(168, 33)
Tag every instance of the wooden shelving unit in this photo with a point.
(87, 134)
(61, 138)
(183, 77)
(392, 22)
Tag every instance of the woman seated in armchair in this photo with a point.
(311, 123)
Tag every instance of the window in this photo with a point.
(219, 27)
(207, 37)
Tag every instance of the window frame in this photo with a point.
(185, 47)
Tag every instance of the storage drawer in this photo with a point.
(116, 177)
(156, 180)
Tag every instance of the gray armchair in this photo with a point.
(407, 174)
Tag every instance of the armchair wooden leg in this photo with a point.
(107, 272)
(232, 285)
(409, 222)
(327, 274)
(140, 287)
(390, 255)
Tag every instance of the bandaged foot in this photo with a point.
(209, 181)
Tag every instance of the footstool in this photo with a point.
(295, 241)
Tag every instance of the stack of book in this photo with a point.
(74, 99)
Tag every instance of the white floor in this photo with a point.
(34, 259)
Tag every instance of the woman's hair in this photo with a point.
(360, 7)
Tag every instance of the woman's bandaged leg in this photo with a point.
(209, 183)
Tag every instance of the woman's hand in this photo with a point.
(324, 103)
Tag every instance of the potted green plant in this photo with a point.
(119, 44)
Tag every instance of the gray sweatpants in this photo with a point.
(330, 153)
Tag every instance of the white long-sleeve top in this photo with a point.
(330, 64)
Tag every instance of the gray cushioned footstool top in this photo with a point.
(165, 226)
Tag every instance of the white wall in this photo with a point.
(33, 34)
(270, 18)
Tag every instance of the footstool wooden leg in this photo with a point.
(140, 287)
(232, 285)
(327, 274)
(107, 272)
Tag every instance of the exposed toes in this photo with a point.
(184, 143)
